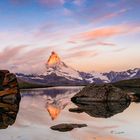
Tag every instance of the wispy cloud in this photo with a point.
(120, 49)
(24, 59)
(103, 33)
(105, 44)
(90, 45)
(79, 54)
(8, 54)
(110, 15)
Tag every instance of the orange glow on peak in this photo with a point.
(53, 59)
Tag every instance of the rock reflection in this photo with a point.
(101, 109)
(8, 113)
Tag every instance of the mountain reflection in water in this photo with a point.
(56, 99)
(42, 109)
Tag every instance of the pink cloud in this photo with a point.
(105, 44)
(110, 15)
(24, 59)
(10, 53)
(84, 53)
(89, 45)
(103, 33)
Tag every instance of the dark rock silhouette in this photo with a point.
(100, 93)
(76, 110)
(9, 98)
(67, 127)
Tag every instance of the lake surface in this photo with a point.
(42, 108)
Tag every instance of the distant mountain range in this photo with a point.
(57, 73)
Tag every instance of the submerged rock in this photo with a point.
(9, 98)
(101, 109)
(100, 93)
(67, 127)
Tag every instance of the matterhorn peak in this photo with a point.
(57, 67)
(53, 59)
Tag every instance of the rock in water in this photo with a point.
(100, 93)
(9, 98)
(67, 127)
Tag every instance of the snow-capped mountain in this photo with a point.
(123, 75)
(95, 77)
(56, 66)
(58, 73)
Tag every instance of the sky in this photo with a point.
(88, 35)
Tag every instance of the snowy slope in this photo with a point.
(55, 65)
(63, 70)
(123, 75)
(100, 76)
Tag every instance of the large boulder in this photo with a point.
(100, 93)
(9, 98)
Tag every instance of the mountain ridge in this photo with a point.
(58, 73)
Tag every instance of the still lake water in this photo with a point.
(42, 108)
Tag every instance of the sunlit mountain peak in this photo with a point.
(53, 59)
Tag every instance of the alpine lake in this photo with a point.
(43, 110)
